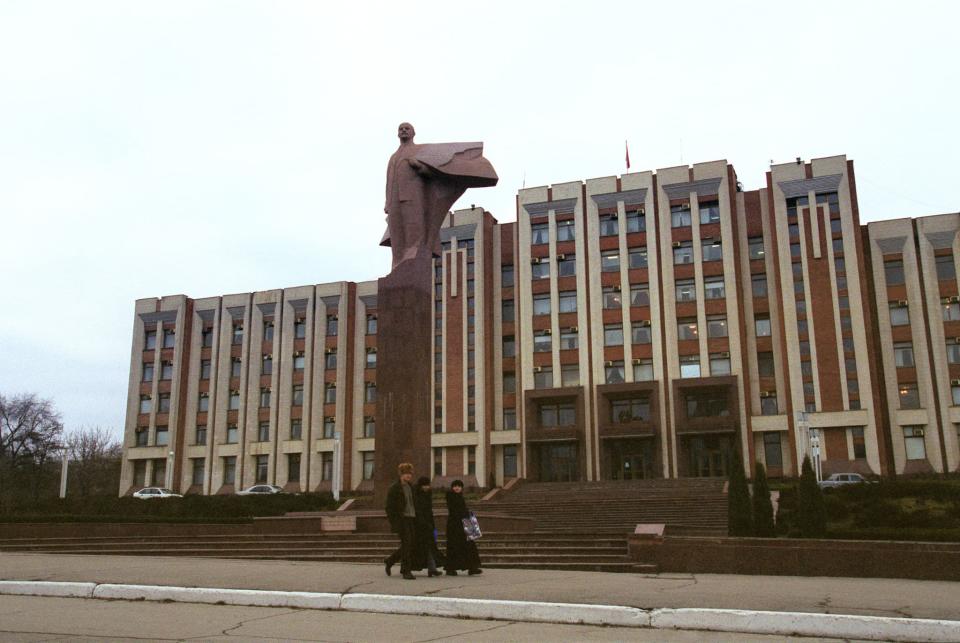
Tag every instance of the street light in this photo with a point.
(815, 448)
(337, 466)
(168, 482)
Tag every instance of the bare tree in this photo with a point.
(95, 455)
(30, 433)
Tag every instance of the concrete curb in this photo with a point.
(717, 620)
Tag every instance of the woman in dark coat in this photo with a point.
(427, 554)
(461, 553)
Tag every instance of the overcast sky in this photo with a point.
(208, 148)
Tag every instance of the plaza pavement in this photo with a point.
(371, 590)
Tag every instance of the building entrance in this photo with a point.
(629, 459)
(709, 456)
(558, 462)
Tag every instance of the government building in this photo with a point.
(641, 326)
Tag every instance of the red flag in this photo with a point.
(627, 146)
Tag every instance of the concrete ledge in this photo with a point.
(498, 609)
(703, 619)
(842, 626)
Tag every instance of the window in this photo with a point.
(266, 365)
(297, 395)
(793, 230)
(369, 426)
(509, 346)
(562, 414)
(371, 358)
(638, 258)
(149, 340)
(509, 461)
(759, 283)
(508, 312)
(197, 474)
(263, 432)
(541, 304)
(232, 434)
(509, 419)
(634, 409)
(712, 250)
(299, 328)
(689, 366)
(613, 335)
(687, 328)
(639, 295)
(609, 225)
(719, 364)
(293, 467)
(680, 216)
(206, 337)
(200, 434)
(899, 315)
(205, 369)
(755, 248)
(506, 276)
(539, 234)
(768, 404)
(169, 338)
(708, 403)
(909, 396)
(162, 436)
(946, 268)
(142, 434)
(330, 359)
(164, 403)
(296, 429)
(566, 265)
(234, 401)
(683, 252)
(370, 393)
(566, 230)
(686, 290)
(611, 297)
(264, 398)
(569, 339)
(772, 453)
(762, 325)
(372, 324)
(640, 333)
(542, 341)
(568, 301)
(903, 354)
(235, 367)
(237, 333)
(613, 372)
(713, 288)
(330, 393)
(953, 357)
(267, 331)
(610, 261)
(951, 312)
(260, 467)
(332, 326)
(831, 199)
(299, 361)
(765, 364)
(326, 466)
(147, 372)
(540, 270)
(709, 212)
(368, 464)
(203, 403)
(570, 375)
(329, 427)
(642, 370)
(796, 202)
(230, 469)
(166, 370)
(636, 221)
(955, 394)
(859, 443)
(510, 382)
(543, 377)
(717, 326)
(913, 440)
(893, 272)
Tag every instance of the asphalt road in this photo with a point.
(29, 618)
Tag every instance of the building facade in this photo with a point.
(647, 325)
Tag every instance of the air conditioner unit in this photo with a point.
(766, 394)
(918, 433)
(574, 329)
(607, 364)
(685, 206)
(954, 300)
(954, 382)
(676, 244)
(724, 354)
(535, 260)
(537, 369)
(329, 351)
(642, 322)
(616, 288)
(901, 302)
(637, 361)
(641, 210)
(561, 257)
(371, 349)
(547, 331)
(300, 320)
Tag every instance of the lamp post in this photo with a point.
(815, 448)
(337, 466)
(63, 474)
(168, 481)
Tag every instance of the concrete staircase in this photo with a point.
(569, 551)
(689, 507)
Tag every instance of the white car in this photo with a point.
(842, 479)
(155, 492)
(260, 490)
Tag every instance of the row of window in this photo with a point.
(894, 274)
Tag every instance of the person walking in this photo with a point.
(427, 553)
(402, 514)
(461, 552)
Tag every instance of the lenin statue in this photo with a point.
(423, 182)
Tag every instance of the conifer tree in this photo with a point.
(811, 513)
(739, 520)
(762, 507)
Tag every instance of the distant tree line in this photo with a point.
(32, 444)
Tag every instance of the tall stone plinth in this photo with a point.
(404, 368)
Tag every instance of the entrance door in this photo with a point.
(632, 467)
(559, 463)
(709, 456)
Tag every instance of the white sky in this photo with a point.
(249, 140)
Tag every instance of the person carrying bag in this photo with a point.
(462, 551)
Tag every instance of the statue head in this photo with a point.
(406, 132)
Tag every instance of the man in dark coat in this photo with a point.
(461, 553)
(402, 514)
(427, 553)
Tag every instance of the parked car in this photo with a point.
(841, 479)
(260, 490)
(155, 492)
